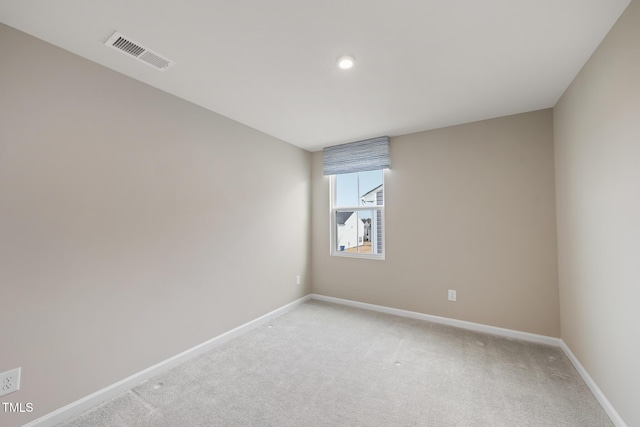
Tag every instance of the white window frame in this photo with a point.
(334, 228)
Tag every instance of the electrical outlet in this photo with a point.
(297, 280)
(10, 381)
(452, 295)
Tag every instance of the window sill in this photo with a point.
(354, 255)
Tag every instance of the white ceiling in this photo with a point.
(271, 64)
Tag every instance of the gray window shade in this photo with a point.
(367, 155)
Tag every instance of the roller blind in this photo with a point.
(367, 155)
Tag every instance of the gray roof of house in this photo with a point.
(375, 190)
(343, 216)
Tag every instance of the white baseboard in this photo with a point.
(494, 330)
(598, 394)
(100, 396)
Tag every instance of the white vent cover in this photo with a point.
(136, 50)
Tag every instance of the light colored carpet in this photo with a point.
(323, 364)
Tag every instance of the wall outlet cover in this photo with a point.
(10, 381)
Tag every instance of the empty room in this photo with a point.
(283, 213)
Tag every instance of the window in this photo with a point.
(357, 196)
(357, 214)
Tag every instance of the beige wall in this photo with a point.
(133, 225)
(470, 208)
(597, 151)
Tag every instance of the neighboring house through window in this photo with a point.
(374, 232)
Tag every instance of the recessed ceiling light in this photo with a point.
(346, 62)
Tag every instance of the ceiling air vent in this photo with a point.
(141, 53)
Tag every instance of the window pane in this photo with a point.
(364, 239)
(347, 189)
(347, 227)
(370, 188)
